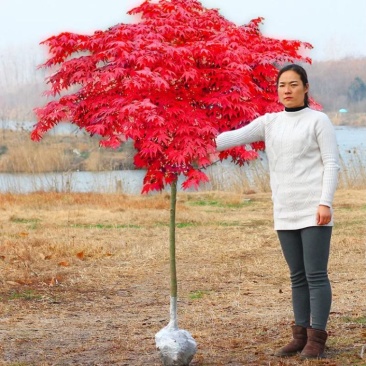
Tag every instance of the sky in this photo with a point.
(335, 28)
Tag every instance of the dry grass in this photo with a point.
(254, 177)
(353, 172)
(58, 153)
(85, 279)
(348, 119)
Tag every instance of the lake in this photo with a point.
(351, 142)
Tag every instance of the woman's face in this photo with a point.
(291, 90)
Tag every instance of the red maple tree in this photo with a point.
(170, 82)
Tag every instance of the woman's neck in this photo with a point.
(295, 109)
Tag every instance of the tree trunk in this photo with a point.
(173, 269)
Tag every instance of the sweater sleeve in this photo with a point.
(330, 156)
(252, 132)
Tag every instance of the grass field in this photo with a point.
(85, 279)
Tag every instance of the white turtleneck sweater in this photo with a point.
(302, 153)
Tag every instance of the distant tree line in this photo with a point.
(339, 84)
(334, 84)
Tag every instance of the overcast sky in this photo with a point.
(336, 28)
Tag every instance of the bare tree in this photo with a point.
(21, 83)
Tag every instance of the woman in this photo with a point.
(303, 155)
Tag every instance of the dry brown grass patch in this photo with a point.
(85, 279)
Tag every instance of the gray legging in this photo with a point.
(306, 252)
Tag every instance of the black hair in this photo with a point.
(303, 76)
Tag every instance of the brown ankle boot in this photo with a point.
(316, 344)
(296, 345)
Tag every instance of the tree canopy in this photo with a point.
(170, 81)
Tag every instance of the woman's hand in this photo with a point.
(324, 215)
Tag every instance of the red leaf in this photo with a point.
(171, 82)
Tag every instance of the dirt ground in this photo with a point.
(85, 279)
